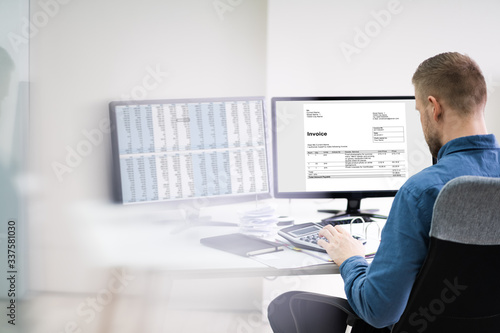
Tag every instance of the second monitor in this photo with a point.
(346, 147)
(189, 152)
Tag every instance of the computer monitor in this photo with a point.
(346, 147)
(189, 153)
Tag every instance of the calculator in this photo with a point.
(306, 236)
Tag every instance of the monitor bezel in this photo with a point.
(197, 202)
(353, 197)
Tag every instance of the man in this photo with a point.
(450, 93)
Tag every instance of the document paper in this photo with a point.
(370, 155)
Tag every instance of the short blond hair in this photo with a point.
(453, 77)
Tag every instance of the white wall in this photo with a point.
(93, 52)
(86, 53)
(383, 42)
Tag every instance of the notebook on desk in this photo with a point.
(241, 244)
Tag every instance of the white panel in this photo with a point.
(383, 42)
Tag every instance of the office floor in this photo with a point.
(51, 312)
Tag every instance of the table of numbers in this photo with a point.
(188, 150)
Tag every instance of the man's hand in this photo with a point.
(341, 245)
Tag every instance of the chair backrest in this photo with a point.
(458, 288)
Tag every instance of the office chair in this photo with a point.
(457, 289)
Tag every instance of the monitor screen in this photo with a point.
(185, 149)
(346, 147)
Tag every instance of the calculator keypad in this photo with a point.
(312, 238)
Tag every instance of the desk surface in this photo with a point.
(181, 255)
(115, 238)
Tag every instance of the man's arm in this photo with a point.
(378, 292)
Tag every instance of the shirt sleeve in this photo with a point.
(378, 292)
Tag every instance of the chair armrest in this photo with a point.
(337, 306)
(336, 302)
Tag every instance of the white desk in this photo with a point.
(132, 238)
(180, 255)
(135, 239)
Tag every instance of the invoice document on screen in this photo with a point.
(370, 155)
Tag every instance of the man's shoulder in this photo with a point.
(431, 179)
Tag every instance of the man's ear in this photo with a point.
(437, 110)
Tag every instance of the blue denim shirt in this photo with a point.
(378, 292)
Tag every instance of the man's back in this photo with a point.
(381, 297)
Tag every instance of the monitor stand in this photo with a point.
(353, 209)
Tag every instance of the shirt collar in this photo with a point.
(487, 141)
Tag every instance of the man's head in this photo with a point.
(449, 90)
(453, 78)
